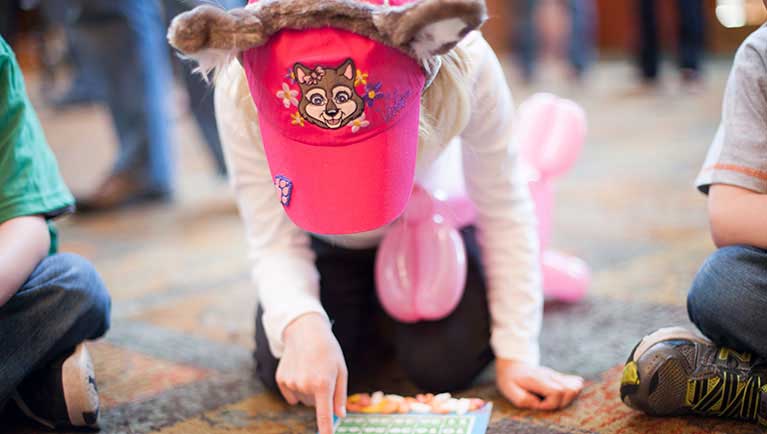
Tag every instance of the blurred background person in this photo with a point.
(690, 30)
(560, 29)
(83, 86)
(123, 44)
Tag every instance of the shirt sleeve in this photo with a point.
(282, 261)
(505, 216)
(738, 154)
(30, 183)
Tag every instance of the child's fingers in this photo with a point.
(553, 401)
(289, 396)
(568, 398)
(520, 397)
(543, 385)
(323, 403)
(340, 392)
(550, 390)
(573, 386)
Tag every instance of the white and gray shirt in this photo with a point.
(738, 154)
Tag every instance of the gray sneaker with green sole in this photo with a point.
(674, 372)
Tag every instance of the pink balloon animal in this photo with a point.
(550, 133)
(421, 263)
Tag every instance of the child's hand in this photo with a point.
(312, 369)
(536, 387)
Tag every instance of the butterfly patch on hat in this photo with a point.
(284, 189)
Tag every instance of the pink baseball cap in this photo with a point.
(337, 85)
(339, 116)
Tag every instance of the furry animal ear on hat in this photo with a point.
(422, 28)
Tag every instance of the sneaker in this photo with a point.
(675, 372)
(62, 395)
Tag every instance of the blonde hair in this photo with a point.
(446, 104)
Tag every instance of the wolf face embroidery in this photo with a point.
(328, 97)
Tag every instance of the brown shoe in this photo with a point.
(117, 191)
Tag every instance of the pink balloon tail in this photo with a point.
(566, 278)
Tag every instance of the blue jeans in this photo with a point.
(728, 299)
(691, 27)
(580, 46)
(124, 43)
(200, 92)
(63, 303)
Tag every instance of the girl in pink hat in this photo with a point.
(343, 106)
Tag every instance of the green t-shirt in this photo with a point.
(30, 183)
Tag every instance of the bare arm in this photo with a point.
(24, 242)
(737, 216)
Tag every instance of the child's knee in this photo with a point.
(80, 282)
(718, 288)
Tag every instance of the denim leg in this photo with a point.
(201, 105)
(63, 303)
(580, 48)
(124, 43)
(728, 297)
(691, 33)
(201, 93)
(527, 37)
(649, 57)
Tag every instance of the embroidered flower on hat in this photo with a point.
(288, 96)
(372, 93)
(290, 75)
(361, 78)
(359, 123)
(297, 119)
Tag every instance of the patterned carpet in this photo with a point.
(178, 357)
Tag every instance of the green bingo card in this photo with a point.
(470, 423)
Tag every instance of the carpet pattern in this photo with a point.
(178, 357)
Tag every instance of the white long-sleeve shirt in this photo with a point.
(283, 262)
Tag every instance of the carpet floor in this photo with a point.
(178, 356)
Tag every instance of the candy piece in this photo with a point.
(463, 406)
(476, 404)
(379, 403)
(357, 402)
(419, 407)
(404, 407)
(444, 405)
(384, 406)
(376, 398)
(424, 398)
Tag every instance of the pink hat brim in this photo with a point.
(349, 188)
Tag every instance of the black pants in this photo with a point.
(436, 355)
(691, 32)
